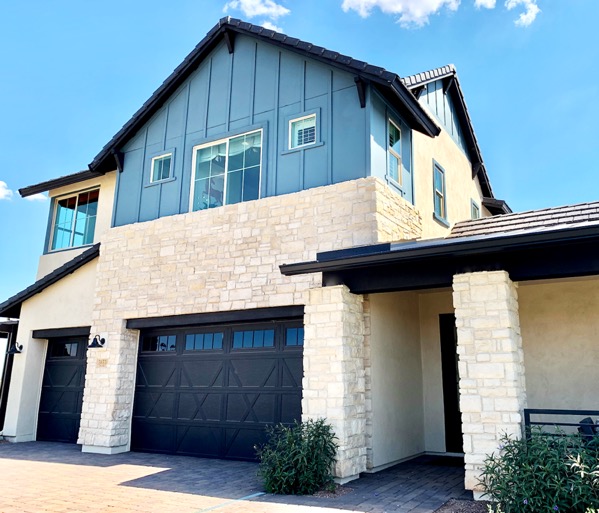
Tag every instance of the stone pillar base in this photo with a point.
(96, 449)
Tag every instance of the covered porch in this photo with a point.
(379, 349)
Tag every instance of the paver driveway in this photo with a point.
(42, 477)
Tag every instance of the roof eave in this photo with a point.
(81, 176)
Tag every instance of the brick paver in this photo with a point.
(42, 477)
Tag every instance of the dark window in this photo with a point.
(63, 349)
(203, 341)
(294, 337)
(159, 343)
(253, 338)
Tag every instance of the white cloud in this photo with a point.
(417, 12)
(410, 12)
(37, 197)
(487, 4)
(271, 26)
(253, 8)
(531, 9)
(5, 192)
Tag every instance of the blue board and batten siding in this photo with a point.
(257, 86)
(441, 105)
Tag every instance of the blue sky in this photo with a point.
(73, 73)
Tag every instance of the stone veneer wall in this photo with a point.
(334, 372)
(491, 365)
(217, 260)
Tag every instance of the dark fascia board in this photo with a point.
(249, 315)
(58, 182)
(496, 206)
(12, 306)
(8, 327)
(81, 331)
(389, 82)
(441, 249)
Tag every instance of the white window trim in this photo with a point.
(55, 201)
(214, 143)
(158, 157)
(440, 193)
(290, 130)
(394, 153)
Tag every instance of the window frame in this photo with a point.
(162, 155)
(54, 212)
(216, 142)
(474, 205)
(391, 151)
(443, 194)
(290, 131)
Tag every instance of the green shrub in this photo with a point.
(298, 460)
(543, 473)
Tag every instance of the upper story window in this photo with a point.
(302, 131)
(474, 210)
(394, 150)
(161, 167)
(75, 220)
(439, 192)
(227, 171)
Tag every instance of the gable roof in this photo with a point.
(449, 73)
(12, 306)
(532, 221)
(389, 83)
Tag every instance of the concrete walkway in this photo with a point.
(49, 477)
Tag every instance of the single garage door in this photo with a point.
(62, 390)
(211, 391)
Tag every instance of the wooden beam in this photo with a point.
(361, 87)
(229, 38)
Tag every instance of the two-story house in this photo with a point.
(160, 319)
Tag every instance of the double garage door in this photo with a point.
(211, 391)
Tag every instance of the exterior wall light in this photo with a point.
(15, 348)
(97, 342)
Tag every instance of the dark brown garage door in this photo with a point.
(211, 391)
(62, 390)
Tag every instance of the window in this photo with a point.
(161, 167)
(253, 338)
(302, 131)
(203, 341)
(474, 210)
(159, 343)
(227, 171)
(63, 349)
(394, 151)
(75, 220)
(439, 191)
(294, 337)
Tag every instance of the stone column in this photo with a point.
(109, 390)
(333, 385)
(491, 365)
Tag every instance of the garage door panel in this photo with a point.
(203, 373)
(62, 390)
(157, 405)
(153, 436)
(227, 383)
(206, 406)
(291, 407)
(255, 372)
(159, 373)
(199, 441)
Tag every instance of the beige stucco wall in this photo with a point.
(432, 304)
(461, 189)
(396, 378)
(560, 336)
(50, 261)
(66, 304)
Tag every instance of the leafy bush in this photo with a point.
(298, 460)
(544, 473)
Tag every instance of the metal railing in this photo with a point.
(557, 424)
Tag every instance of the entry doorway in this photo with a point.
(451, 384)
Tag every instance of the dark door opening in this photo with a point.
(62, 390)
(451, 378)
